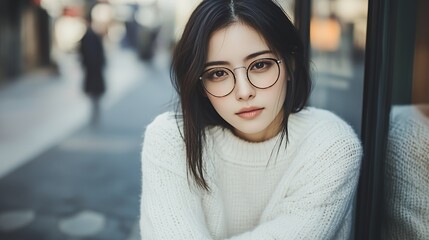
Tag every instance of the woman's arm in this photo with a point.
(169, 209)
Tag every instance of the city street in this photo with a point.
(84, 181)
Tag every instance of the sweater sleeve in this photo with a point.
(169, 208)
(316, 202)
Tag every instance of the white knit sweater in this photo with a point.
(304, 191)
(406, 177)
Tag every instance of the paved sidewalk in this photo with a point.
(84, 184)
(40, 109)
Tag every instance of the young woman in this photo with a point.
(244, 158)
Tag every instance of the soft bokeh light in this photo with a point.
(53, 7)
(325, 34)
(350, 10)
(102, 13)
(68, 32)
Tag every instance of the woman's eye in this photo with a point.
(261, 65)
(219, 73)
(216, 75)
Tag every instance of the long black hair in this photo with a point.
(190, 54)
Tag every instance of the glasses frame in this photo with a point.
(277, 61)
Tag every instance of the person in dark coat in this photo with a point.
(93, 61)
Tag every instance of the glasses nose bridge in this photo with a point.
(239, 68)
(245, 71)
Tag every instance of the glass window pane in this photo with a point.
(337, 35)
(406, 173)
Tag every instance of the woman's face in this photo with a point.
(255, 114)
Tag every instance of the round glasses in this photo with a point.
(261, 73)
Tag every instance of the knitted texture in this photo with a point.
(407, 175)
(267, 190)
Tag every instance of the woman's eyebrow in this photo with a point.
(250, 56)
(253, 55)
(214, 63)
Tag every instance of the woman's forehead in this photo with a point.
(235, 41)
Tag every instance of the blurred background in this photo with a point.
(64, 175)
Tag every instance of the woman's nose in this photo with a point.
(244, 90)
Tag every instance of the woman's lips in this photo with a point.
(249, 113)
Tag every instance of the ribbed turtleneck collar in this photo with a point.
(236, 150)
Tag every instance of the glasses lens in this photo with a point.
(263, 73)
(218, 82)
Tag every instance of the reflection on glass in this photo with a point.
(406, 191)
(337, 34)
(406, 174)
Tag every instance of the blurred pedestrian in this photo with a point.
(93, 61)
